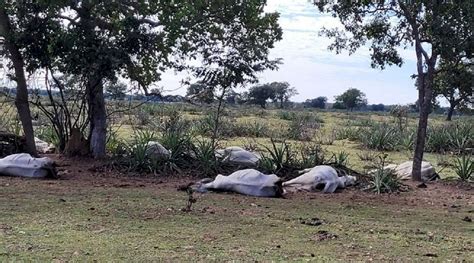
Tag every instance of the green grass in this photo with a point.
(70, 221)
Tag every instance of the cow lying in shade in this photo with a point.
(239, 156)
(322, 175)
(24, 165)
(248, 182)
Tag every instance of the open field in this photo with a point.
(335, 131)
(101, 216)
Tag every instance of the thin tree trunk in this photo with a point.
(425, 93)
(98, 118)
(452, 105)
(21, 100)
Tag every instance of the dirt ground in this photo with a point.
(94, 214)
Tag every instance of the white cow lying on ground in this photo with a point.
(44, 147)
(238, 156)
(24, 165)
(317, 176)
(404, 170)
(247, 182)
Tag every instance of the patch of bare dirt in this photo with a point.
(86, 172)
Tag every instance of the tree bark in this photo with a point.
(425, 93)
(98, 117)
(450, 111)
(21, 99)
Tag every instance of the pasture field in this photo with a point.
(111, 210)
(103, 216)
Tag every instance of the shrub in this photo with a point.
(455, 137)
(285, 115)
(278, 156)
(311, 155)
(302, 126)
(380, 137)
(347, 132)
(340, 159)
(384, 180)
(137, 158)
(205, 156)
(464, 167)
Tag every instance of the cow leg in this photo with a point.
(330, 188)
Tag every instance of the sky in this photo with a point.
(315, 71)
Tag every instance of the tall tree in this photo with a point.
(260, 94)
(283, 92)
(319, 102)
(455, 82)
(352, 98)
(99, 40)
(8, 32)
(434, 28)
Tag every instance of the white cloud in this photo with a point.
(315, 71)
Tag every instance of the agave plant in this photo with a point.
(464, 167)
(277, 156)
(205, 156)
(384, 180)
(381, 137)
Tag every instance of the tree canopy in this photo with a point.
(101, 41)
(319, 102)
(455, 82)
(434, 28)
(351, 98)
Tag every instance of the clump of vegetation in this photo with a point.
(205, 157)
(384, 180)
(136, 157)
(302, 126)
(455, 138)
(464, 167)
(382, 137)
(310, 156)
(278, 157)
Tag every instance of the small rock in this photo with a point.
(431, 255)
(467, 219)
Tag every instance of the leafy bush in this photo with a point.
(380, 137)
(464, 167)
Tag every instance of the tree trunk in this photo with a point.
(450, 111)
(21, 99)
(98, 118)
(425, 93)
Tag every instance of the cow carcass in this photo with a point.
(44, 147)
(156, 150)
(238, 156)
(404, 171)
(248, 182)
(24, 165)
(318, 176)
